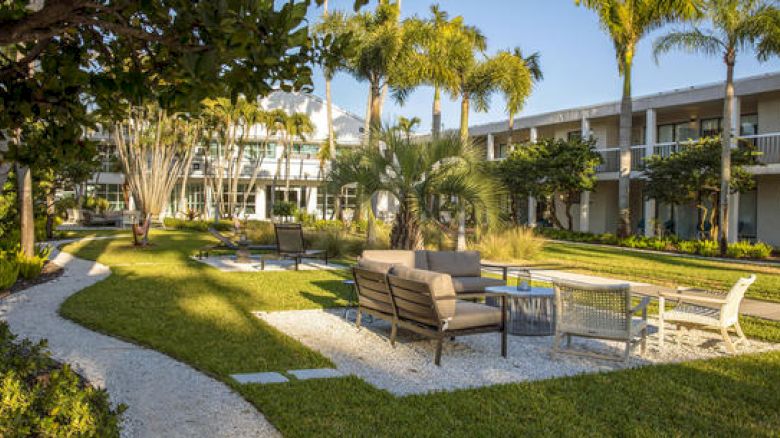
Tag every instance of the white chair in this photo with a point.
(709, 310)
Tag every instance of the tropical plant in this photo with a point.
(413, 174)
(737, 26)
(513, 244)
(627, 22)
(9, 272)
(516, 76)
(406, 126)
(296, 126)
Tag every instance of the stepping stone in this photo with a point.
(261, 378)
(316, 373)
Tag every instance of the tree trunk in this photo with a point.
(461, 242)
(367, 121)
(406, 233)
(725, 164)
(375, 121)
(554, 213)
(569, 218)
(464, 118)
(26, 220)
(511, 131)
(436, 129)
(624, 182)
(51, 213)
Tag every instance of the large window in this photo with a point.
(672, 132)
(256, 150)
(308, 151)
(499, 150)
(241, 191)
(710, 127)
(111, 192)
(574, 135)
(748, 216)
(749, 125)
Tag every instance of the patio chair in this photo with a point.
(598, 311)
(705, 309)
(374, 295)
(425, 303)
(291, 245)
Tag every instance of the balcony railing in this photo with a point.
(767, 144)
(611, 159)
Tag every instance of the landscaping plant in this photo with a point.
(30, 267)
(9, 272)
(510, 244)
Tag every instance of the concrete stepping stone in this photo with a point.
(262, 378)
(316, 373)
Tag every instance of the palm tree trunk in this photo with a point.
(406, 233)
(509, 140)
(725, 167)
(624, 181)
(367, 122)
(26, 220)
(375, 121)
(461, 242)
(464, 118)
(436, 129)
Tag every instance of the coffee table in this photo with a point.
(531, 312)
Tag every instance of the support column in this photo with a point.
(585, 212)
(490, 147)
(585, 128)
(649, 217)
(207, 203)
(733, 218)
(533, 134)
(531, 211)
(650, 141)
(260, 202)
(311, 200)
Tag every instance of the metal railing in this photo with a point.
(767, 144)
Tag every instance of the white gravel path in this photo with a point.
(470, 361)
(164, 397)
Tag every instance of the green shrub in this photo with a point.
(761, 250)
(284, 209)
(687, 246)
(43, 398)
(745, 249)
(96, 204)
(511, 244)
(9, 272)
(260, 232)
(30, 267)
(188, 225)
(707, 248)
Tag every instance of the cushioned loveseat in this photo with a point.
(465, 267)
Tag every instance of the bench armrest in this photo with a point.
(698, 299)
(641, 306)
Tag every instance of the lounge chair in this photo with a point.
(704, 309)
(598, 311)
(374, 294)
(291, 245)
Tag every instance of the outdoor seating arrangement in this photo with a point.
(695, 307)
(465, 267)
(290, 244)
(424, 302)
(599, 311)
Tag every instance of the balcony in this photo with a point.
(611, 159)
(768, 146)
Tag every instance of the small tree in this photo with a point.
(693, 175)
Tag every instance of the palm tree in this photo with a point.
(412, 174)
(737, 25)
(626, 22)
(514, 82)
(406, 126)
(296, 126)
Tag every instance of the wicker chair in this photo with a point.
(706, 310)
(598, 311)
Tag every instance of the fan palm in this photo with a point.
(626, 22)
(737, 25)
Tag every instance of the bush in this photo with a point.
(511, 244)
(707, 248)
(9, 272)
(284, 209)
(43, 398)
(30, 267)
(96, 204)
(745, 249)
(260, 232)
(182, 224)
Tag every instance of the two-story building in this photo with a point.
(660, 123)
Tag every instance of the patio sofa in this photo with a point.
(464, 267)
(423, 302)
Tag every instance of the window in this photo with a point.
(749, 125)
(194, 198)
(111, 192)
(574, 135)
(672, 132)
(241, 191)
(748, 215)
(499, 150)
(710, 127)
(109, 161)
(307, 151)
(255, 151)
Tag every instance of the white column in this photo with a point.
(585, 212)
(585, 128)
(649, 217)
(533, 134)
(531, 211)
(207, 203)
(736, 118)
(311, 197)
(490, 151)
(733, 218)
(260, 202)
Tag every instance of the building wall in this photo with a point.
(603, 207)
(769, 115)
(768, 209)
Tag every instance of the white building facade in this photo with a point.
(660, 123)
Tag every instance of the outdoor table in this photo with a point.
(531, 312)
(504, 267)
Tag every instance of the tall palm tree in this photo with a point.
(406, 126)
(412, 174)
(514, 82)
(513, 92)
(626, 22)
(737, 25)
(296, 126)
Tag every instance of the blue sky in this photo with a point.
(576, 55)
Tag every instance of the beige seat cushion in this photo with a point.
(455, 263)
(439, 284)
(474, 284)
(395, 257)
(375, 266)
(473, 315)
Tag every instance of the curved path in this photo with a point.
(164, 397)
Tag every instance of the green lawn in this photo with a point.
(160, 298)
(661, 269)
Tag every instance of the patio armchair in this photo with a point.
(695, 307)
(425, 303)
(598, 311)
(373, 293)
(291, 245)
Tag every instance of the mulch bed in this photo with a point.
(50, 272)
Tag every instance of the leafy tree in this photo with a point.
(692, 174)
(737, 25)
(626, 22)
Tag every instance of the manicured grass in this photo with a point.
(660, 269)
(160, 298)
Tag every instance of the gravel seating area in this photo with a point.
(164, 397)
(471, 361)
(227, 263)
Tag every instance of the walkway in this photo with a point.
(164, 397)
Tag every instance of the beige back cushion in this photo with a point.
(395, 257)
(375, 266)
(439, 284)
(455, 263)
(421, 259)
